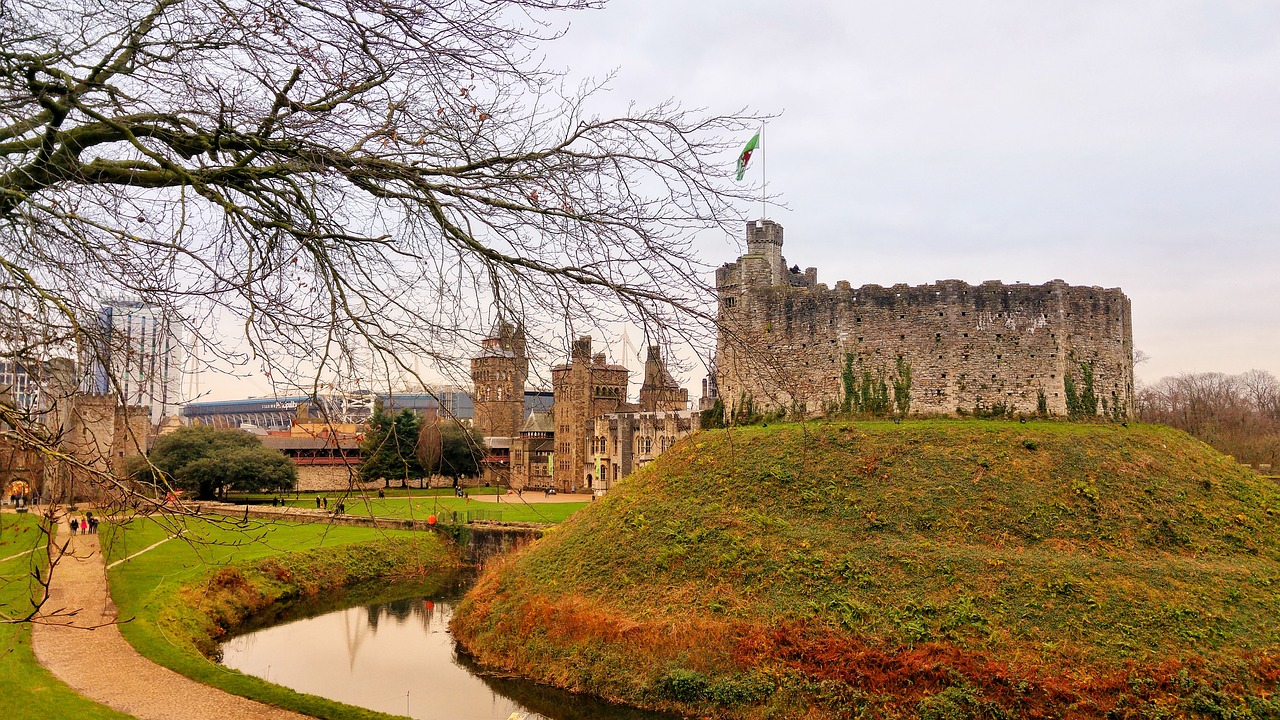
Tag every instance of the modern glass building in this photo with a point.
(135, 355)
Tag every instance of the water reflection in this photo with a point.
(398, 658)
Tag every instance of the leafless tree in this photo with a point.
(1237, 414)
(353, 184)
(357, 189)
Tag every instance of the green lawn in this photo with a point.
(29, 692)
(154, 590)
(452, 509)
(393, 491)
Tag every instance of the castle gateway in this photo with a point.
(787, 342)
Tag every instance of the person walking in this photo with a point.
(75, 524)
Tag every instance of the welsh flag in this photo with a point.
(745, 157)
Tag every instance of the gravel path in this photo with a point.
(86, 651)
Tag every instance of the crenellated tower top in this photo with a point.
(763, 237)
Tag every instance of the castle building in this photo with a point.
(627, 441)
(101, 436)
(585, 388)
(789, 343)
(568, 448)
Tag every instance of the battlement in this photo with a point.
(761, 233)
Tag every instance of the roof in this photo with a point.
(305, 443)
(538, 422)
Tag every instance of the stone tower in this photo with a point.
(585, 388)
(660, 391)
(499, 373)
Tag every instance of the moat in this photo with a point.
(399, 658)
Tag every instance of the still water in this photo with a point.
(399, 658)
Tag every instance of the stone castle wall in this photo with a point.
(790, 343)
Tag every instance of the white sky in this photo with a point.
(1130, 144)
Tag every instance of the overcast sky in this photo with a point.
(1129, 144)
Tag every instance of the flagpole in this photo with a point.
(764, 176)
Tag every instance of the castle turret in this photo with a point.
(499, 373)
(764, 241)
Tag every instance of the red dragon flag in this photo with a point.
(745, 157)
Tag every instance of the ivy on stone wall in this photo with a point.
(1081, 403)
(868, 394)
(713, 417)
(902, 387)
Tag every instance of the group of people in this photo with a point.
(322, 503)
(83, 525)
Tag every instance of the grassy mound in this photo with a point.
(934, 569)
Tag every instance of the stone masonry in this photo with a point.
(499, 374)
(787, 342)
(585, 388)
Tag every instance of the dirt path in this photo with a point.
(99, 664)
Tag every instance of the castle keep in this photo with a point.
(787, 342)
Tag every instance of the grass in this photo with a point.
(933, 568)
(511, 509)
(182, 597)
(29, 692)
(393, 491)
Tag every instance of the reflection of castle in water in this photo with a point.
(400, 659)
(423, 611)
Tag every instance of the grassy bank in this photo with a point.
(932, 569)
(29, 692)
(184, 596)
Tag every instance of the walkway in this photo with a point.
(87, 652)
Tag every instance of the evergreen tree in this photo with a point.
(208, 462)
(389, 448)
(460, 451)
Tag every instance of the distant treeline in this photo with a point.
(1237, 414)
